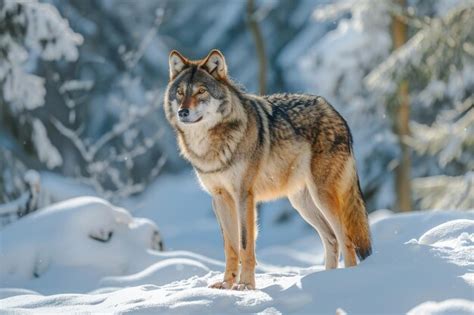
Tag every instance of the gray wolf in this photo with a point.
(247, 149)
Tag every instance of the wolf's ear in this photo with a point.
(215, 64)
(177, 63)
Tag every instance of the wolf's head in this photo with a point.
(198, 91)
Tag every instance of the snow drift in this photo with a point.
(73, 243)
(422, 262)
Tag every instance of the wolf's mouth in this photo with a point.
(186, 121)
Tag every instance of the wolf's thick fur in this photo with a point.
(246, 149)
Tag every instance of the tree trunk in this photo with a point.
(259, 46)
(402, 119)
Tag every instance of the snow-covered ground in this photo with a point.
(85, 255)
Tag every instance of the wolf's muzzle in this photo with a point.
(188, 117)
(183, 113)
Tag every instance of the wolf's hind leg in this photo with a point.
(305, 206)
(226, 214)
(327, 198)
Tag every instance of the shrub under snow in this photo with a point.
(86, 237)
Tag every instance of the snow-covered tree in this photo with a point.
(115, 139)
(30, 30)
(438, 63)
(50, 116)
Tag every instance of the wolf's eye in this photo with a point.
(179, 92)
(201, 91)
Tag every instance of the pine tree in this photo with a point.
(438, 62)
(401, 121)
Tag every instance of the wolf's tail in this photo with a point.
(355, 219)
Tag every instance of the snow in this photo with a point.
(76, 85)
(46, 34)
(337, 72)
(457, 231)
(452, 306)
(23, 90)
(74, 240)
(422, 261)
(47, 152)
(14, 205)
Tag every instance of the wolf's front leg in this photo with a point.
(246, 206)
(224, 208)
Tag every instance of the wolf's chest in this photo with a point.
(195, 141)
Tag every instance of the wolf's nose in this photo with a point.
(183, 113)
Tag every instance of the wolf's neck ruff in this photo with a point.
(212, 150)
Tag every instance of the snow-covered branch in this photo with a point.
(89, 152)
(333, 11)
(445, 192)
(447, 33)
(31, 26)
(131, 58)
(447, 139)
(74, 137)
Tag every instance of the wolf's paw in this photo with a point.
(222, 285)
(243, 286)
